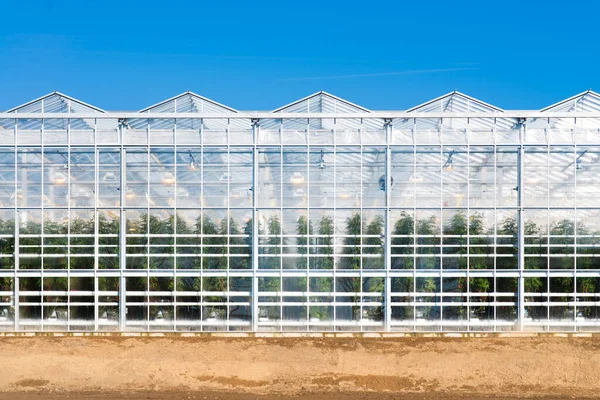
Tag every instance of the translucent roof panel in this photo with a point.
(584, 102)
(55, 102)
(323, 102)
(588, 101)
(190, 102)
(454, 102)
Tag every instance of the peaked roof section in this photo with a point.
(321, 102)
(588, 101)
(55, 102)
(455, 102)
(189, 102)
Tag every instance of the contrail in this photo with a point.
(409, 72)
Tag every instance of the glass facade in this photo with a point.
(454, 216)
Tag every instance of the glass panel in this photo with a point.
(136, 178)
(56, 177)
(162, 178)
(109, 178)
(81, 242)
(7, 239)
(108, 239)
(83, 177)
(29, 177)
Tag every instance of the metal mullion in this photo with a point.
(16, 227)
(414, 268)
(309, 246)
(495, 150)
(468, 227)
(280, 233)
(255, 312)
(521, 226)
(175, 195)
(122, 234)
(69, 219)
(387, 241)
(575, 225)
(43, 167)
(547, 224)
(335, 256)
(96, 222)
(361, 216)
(548, 198)
(148, 233)
(441, 229)
(201, 211)
(575, 204)
(228, 216)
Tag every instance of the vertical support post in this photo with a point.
(387, 316)
(96, 228)
(521, 262)
(255, 311)
(16, 279)
(16, 231)
(122, 241)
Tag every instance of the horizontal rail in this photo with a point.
(258, 115)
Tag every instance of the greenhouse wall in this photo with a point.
(318, 216)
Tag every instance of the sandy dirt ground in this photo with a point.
(299, 368)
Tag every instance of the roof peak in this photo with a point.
(459, 94)
(321, 93)
(55, 93)
(187, 93)
(571, 99)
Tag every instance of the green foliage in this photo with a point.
(508, 245)
(403, 245)
(534, 284)
(324, 245)
(480, 285)
(304, 229)
(352, 243)
(373, 244)
(456, 232)
(426, 228)
(7, 244)
(481, 248)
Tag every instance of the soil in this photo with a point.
(299, 368)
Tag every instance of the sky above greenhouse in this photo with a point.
(126, 55)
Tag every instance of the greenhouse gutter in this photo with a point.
(252, 115)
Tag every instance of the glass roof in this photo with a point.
(323, 102)
(55, 102)
(189, 102)
(588, 101)
(320, 102)
(454, 102)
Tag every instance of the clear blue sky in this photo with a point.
(125, 55)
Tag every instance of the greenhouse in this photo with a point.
(321, 215)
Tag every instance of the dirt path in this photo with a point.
(305, 368)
